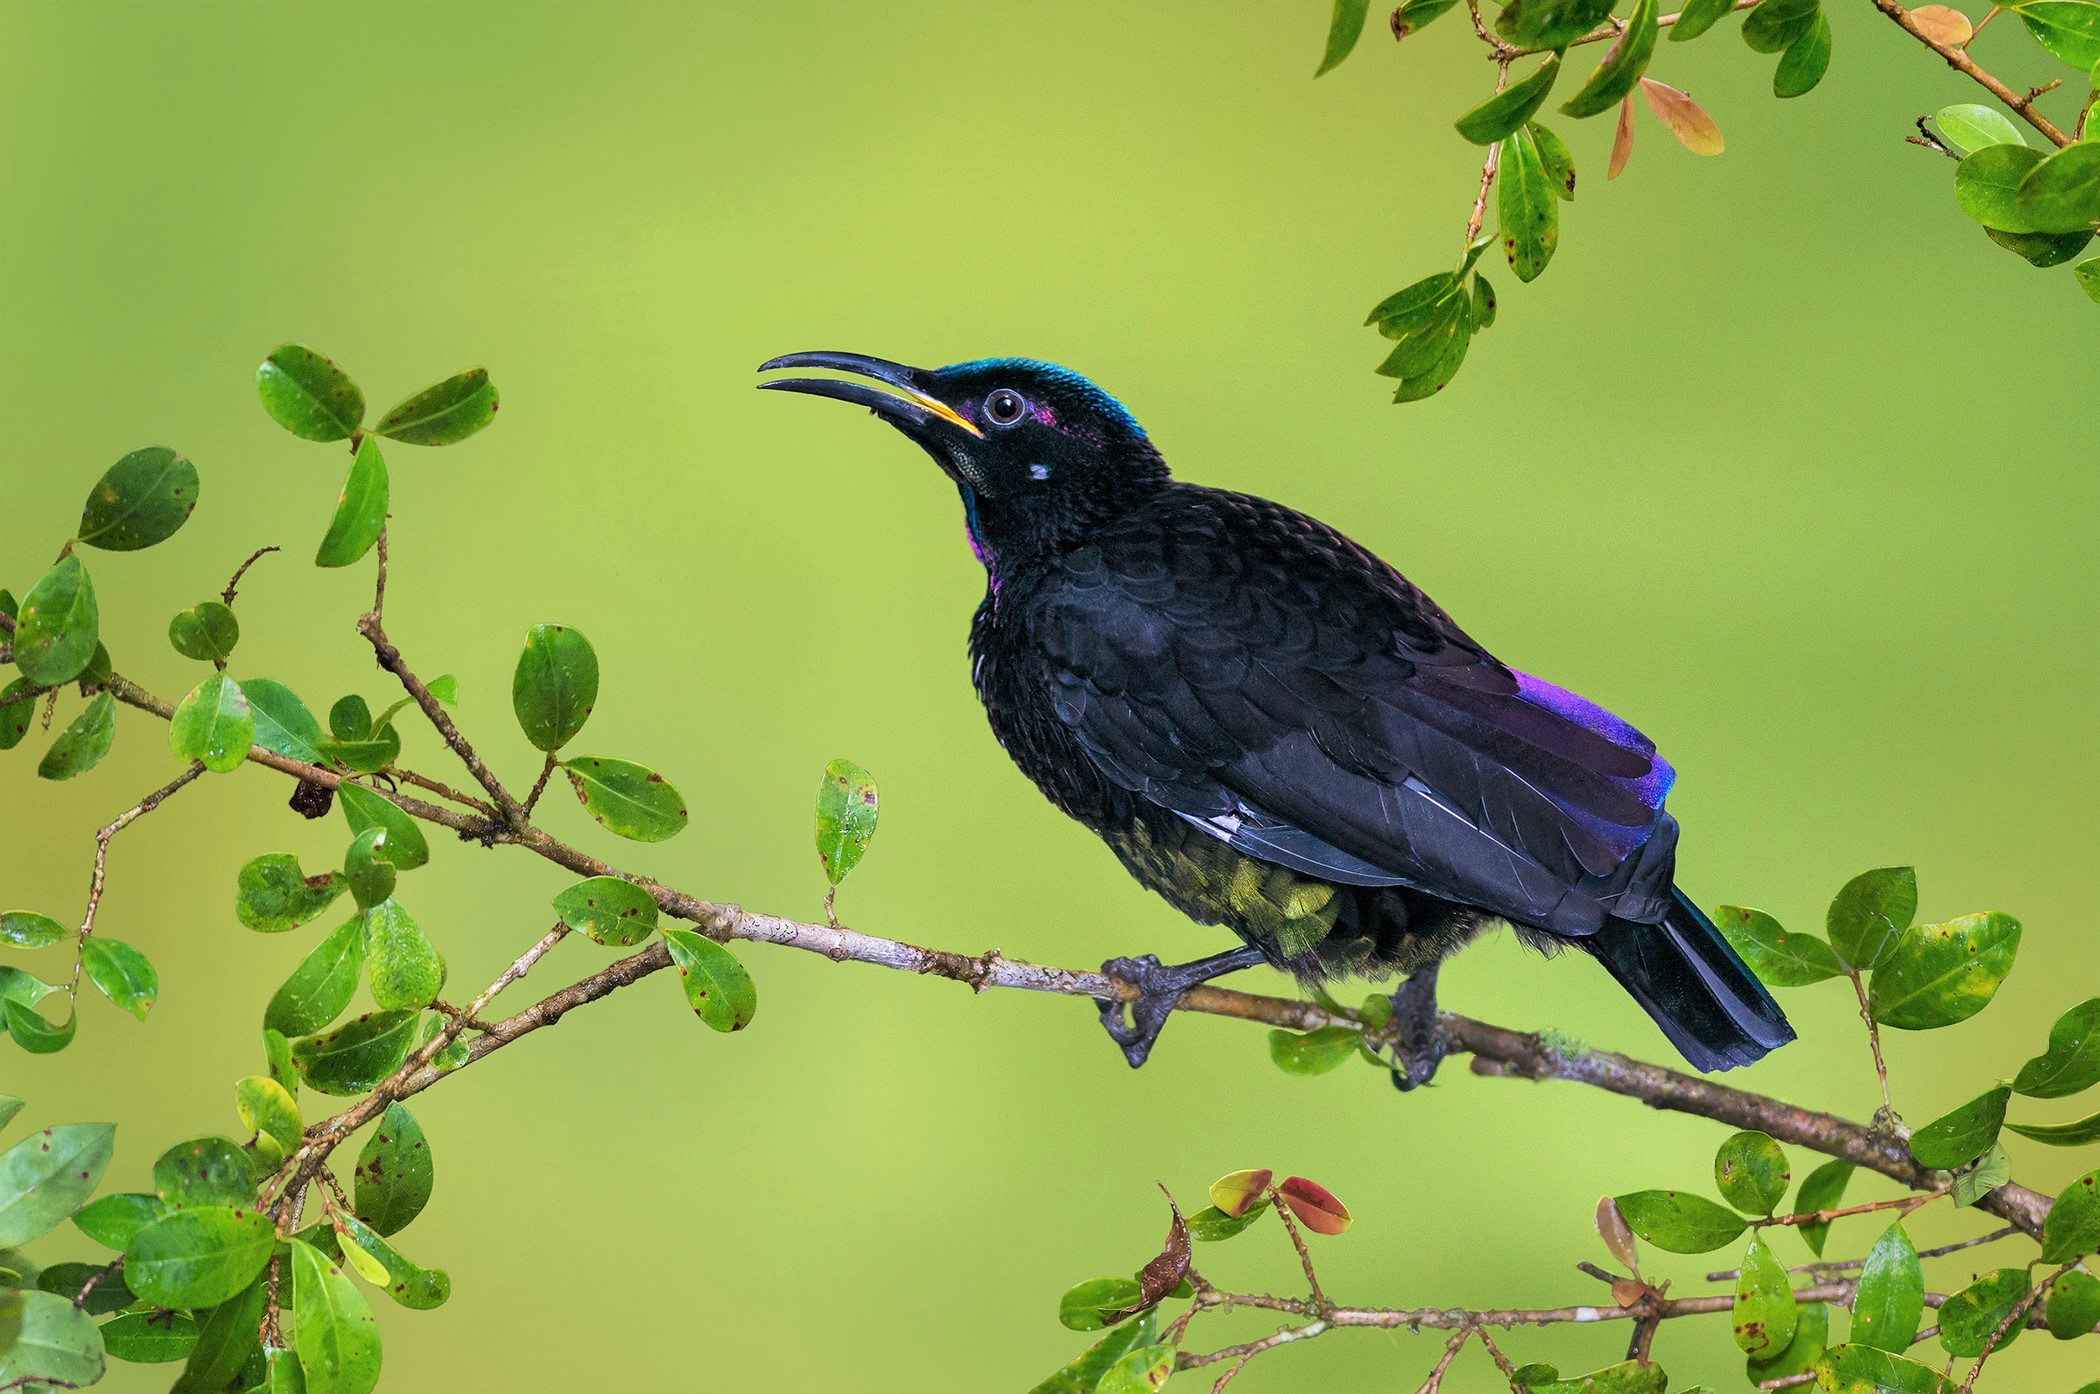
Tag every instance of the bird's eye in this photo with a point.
(1004, 407)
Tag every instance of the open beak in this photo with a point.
(905, 403)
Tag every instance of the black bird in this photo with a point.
(1280, 734)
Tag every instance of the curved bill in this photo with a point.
(905, 403)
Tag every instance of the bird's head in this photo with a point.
(1039, 454)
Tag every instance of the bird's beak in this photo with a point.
(906, 403)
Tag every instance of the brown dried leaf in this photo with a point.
(1314, 1205)
(1158, 1278)
(1612, 1229)
(1686, 119)
(1943, 24)
(1622, 139)
(1628, 1291)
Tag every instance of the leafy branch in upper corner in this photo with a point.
(2042, 205)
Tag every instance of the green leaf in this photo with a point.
(322, 985)
(56, 1341)
(142, 499)
(1987, 186)
(1426, 359)
(1623, 64)
(9, 1107)
(392, 1181)
(277, 1057)
(2072, 1229)
(365, 867)
(362, 809)
(1970, 1316)
(1858, 1369)
(1550, 23)
(1210, 1224)
(282, 722)
(405, 969)
(1752, 1172)
(2088, 273)
(610, 910)
(207, 632)
(1627, 1377)
(360, 510)
(1502, 114)
(629, 799)
(355, 1056)
(1969, 127)
(1890, 1301)
(1805, 61)
(48, 1175)
(1313, 1052)
(555, 685)
(213, 724)
(1093, 1304)
(1962, 1135)
(59, 626)
(444, 413)
(274, 895)
(1699, 16)
(121, 973)
(1141, 1371)
(25, 929)
(1558, 162)
(1869, 915)
(1774, 25)
(2062, 193)
(2076, 1134)
(2041, 248)
(1798, 1356)
(198, 1257)
(350, 719)
(2074, 1305)
(1765, 1313)
(308, 395)
(332, 1326)
(846, 812)
(1990, 1171)
(81, 746)
(34, 1032)
(227, 1339)
(17, 986)
(1679, 1223)
(206, 1170)
(1343, 30)
(1779, 958)
(2070, 29)
(112, 1220)
(1083, 1374)
(1413, 307)
(16, 717)
(716, 985)
(1943, 974)
(150, 1338)
(419, 1289)
(269, 1113)
(365, 757)
(1530, 213)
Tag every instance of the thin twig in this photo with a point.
(1609, 30)
(390, 659)
(1451, 1350)
(442, 790)
(1959, 60)
(539, 786)
(1290, 1224)
(2012, 1319)
(1848, 1265)
(1881, 1069)
(100, 875)
(234, 584)
(379, 581)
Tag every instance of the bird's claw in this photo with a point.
(1420, 1043)
(1134, 1024)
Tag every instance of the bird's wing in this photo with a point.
(1265, 678)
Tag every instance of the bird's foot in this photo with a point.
(1418, 1033)
(1135, 1023)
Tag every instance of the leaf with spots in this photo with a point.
(332, 1326)
(1765, 1313)
(142, 499)
(1751, 1172)
(392, 1180)
(16, 717)
(207, 1170)
(1529, 211)
(1862, 1369)
(554, 686)
(381, 1265)
(207, 632)
(81, 746)
(112, 1220)
(846, 814)
(321, 986)
(2072, 1229)
(150, 1338)
(362, 809)
(1142, 1371)
(1780, 958)
(54, 1341)
(610, 910)
(1942, 974)
(2073, 1308)
(270, 1114)
(1798, 1356)
(198, 1257)
(1968, 1318)
(308, 395)
(629, 799)
(444, 413)
(355, 1056)
(213, 724)
(1679, 1223)
(716, 985)
(367, 871)
(272, 894)
(360, 510)
(49, 1175)
(404, 967)
(59, 626)
(121, 973)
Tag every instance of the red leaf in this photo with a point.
(1622, 139)
(1612, 1229)
(1686, 119)
(1239, 1192)
(1314, 1205)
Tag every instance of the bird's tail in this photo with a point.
(1702, 995)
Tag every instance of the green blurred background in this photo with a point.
(1774, 462)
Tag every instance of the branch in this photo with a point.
(98, 878)
(1959, 60)
(390, 659)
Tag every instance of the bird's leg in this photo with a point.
(1159, 987)
(1417, 1032)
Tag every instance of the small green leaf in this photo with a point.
(2088, 273)
(332, 1326)
(1313, 1052)
(81, 746)
(1502, 114)
(59, 626)
(715, 984)
(1623, 64)
(1963, 1135)
(1142, 1371)
(1805, 61)
(555, 685)
(350, 719)
(2070, 29)
(2072, 1229)
(25, 929)
(629, 799)
(444, 413)
(370, 875)
(1083, 1374)
(2062, 193)
(308, 395)
(1093, 1304)
(610, 910)
(112, 1220)
(1943, 974)
(16, 717)
(392, 1181)
(34, 1032)
(363, 809)
(1869, 915)
(1774, 25)
(450, 1057)
(1412, 15)
(283, 725)
(1860, 1369)
(150, 1338)
(846, 814)
(360, 510)
(1765, 1313)
(2041, 248)
(269, 1113)
(1990, 1171)
(1780, 958)
(1752, 1173)
(1968, 1318)
(1426, 359)
(277, 1057)
(1799, 1356)
(1414, 306)
(54, 1341)
(404, 966)
(1697, 17)
(1890, 1301)
(1679, 1223)
(213, 724)
(1240, 1193)
(1344, 28)
(416, 1288)
(1529, 211)
(1987, 186)
(2076, 1134)
(1969, 127)
(207, 1170)
(274, 895)
(121, 973)
(355, 1056)
(1550, 23)
(1558, 162)
(48, 1175)
(198, 1257)
(1210, 1224)
(140, 500)
(227, 1341)
(322, 985)
(17, 986)
(2073, 1308)
(207, 632)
